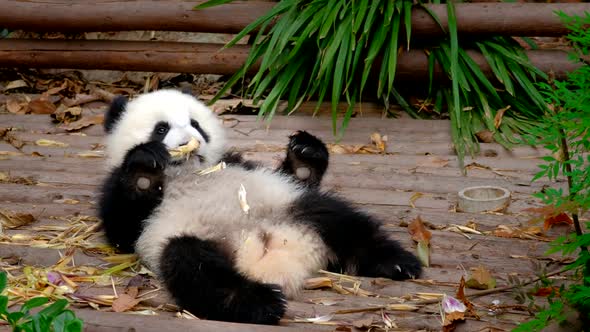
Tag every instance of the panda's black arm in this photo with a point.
(131, 193)
(355, 238)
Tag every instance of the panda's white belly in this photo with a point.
(267, 244)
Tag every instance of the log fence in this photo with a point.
(512, 19)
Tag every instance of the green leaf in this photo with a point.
(211, 3)
(33, 303)
(55, 308)
(14, 317)
(408, 22)
(454, 59)
(3, 280)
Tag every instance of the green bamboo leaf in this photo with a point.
(347, 116)
(369, 22)
(483, 80)
(403, 103)
(211, 3)
(505, 74)
(375, 47)
(361, 12)
(431, 63)
(454, 58)
(330, 19)
(408, 21)
(432, 14)
(518, 59)
(393, 45)
(338, 79)
(277, 10)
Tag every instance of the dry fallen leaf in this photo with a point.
(422, 236)
(561, 218)
(10, 219)
(124, 302)
(363, 323)
(499, 115)
(414, 198)
(379, 141)
(546, 291)
(15, 85)
(66, 114)
(82, 123)
(485, 136)
(41, 105)
(16, 106)
(52, 143)
(433, 161)
(481, 279)
(461, 296)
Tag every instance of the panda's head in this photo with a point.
(169, 116)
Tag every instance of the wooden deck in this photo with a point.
(58, 186)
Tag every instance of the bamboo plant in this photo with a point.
(328, 49)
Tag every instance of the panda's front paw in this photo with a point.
(260, 304)
(146, 157)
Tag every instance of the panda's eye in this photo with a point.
(162, 129)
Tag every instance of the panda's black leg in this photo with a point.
(131, 192)
(306, 159)
(203, 281)
(357, 240)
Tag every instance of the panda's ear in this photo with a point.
(115, 111)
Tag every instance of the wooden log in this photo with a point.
(200, 58)
(517, 19)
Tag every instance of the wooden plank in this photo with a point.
(509, 19)
(205, 58)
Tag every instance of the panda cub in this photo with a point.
(221, 257)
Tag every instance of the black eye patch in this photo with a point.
(196, 125)
(160, 130)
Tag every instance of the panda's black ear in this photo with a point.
(115, 111)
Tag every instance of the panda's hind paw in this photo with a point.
(401, 267)
(307, 158)
(261, 304)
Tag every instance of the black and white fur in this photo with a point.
(217, 261)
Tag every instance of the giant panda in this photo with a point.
(217, 259)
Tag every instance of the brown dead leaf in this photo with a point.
(363, 323)
(561, 218)
(461, 297)
(481, 278)
(80, 99)
(16, 105)
(84, 122)
(11, 219)
(485, 136)
(499, 115)
(41, 105)
(124, 303)
(66, 114)
(418, 231)
(433, 161)
(379, 141)
(15, 85)
(546, 291)
(344, 149)
(422, 237)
